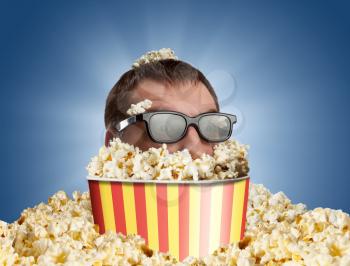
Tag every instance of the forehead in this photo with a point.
(188, 98)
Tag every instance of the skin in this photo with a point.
(188, 98)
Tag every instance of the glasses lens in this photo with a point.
(215, 127)
(167, 127)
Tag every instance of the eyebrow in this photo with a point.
(213, 110)
(152, 109)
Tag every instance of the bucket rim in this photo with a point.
(156, 181)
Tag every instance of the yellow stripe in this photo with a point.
(215, 216)
(173, 219)
(107, 205)
(152, 215)
(237, 210)
(129, 208)
(194, 220)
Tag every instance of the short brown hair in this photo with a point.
(167, 70)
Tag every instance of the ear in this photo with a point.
(108, 137)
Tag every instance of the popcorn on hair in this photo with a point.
(152, 56)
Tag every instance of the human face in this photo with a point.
(186, 98)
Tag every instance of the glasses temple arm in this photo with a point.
(128, 121)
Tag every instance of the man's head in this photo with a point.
(171, 85)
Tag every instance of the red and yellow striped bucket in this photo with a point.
(183, 217)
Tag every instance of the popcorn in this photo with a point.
(124, 161)
(280, 233)
(277, 233)
(152, 56)
(63, 232)
(139, 108)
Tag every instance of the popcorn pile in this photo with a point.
(124, 161)
(281, 233)
(152, 56)
(62, 232)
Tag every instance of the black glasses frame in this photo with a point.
(146, 117)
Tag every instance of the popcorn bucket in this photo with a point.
(186, 218)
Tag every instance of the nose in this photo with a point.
(195, 144)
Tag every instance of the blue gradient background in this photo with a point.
(282, 66)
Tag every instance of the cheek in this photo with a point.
(210, 150)
(132, 135)
(173, 147)
(138, 137)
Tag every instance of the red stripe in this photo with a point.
(162, 209)
(184, 207)
(96, 205)
(227, 202)
(204, 220)
(245, 207)
(118, 207)
(140, 207)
